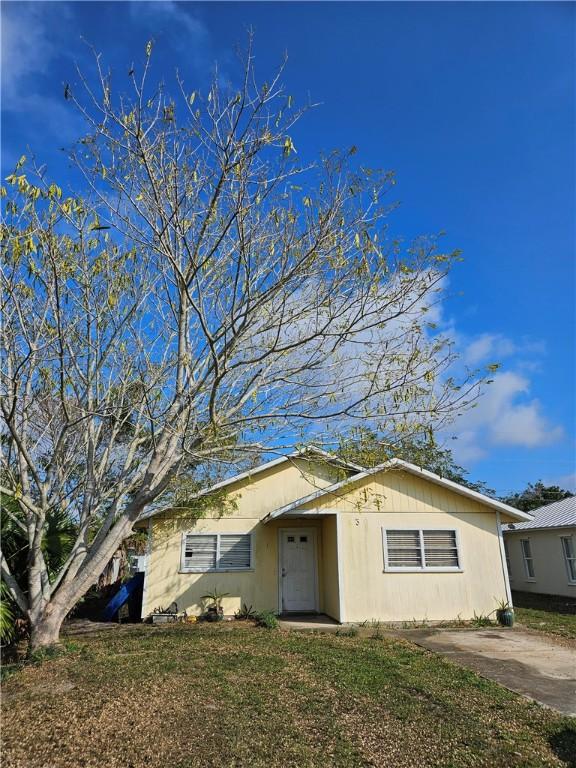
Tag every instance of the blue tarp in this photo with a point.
(126, 591)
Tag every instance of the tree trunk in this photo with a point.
(45, 630)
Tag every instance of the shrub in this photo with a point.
(267, 619)
(6, 615)
(245, 612)
(479, 620)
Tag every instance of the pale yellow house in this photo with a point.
(310, 533)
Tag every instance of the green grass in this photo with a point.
(563, 624)
(234, 695)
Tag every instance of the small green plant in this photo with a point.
(172, 609)
(347, 632)
(47, 654)
(244, 613)
(480, 620)
(214, 598)
(213, 610)
(266, 619)
(376, 629)
(504, 613)
(416, 624)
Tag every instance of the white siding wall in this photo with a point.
(550, 574)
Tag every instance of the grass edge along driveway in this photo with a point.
(233, 695)
(547, 622)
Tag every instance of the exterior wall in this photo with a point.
(329, 567)
(550, 574)
(372, 593)
(396, 499)
(259, 587)
(255, 498)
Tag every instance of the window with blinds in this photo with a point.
(420, 550)
(404, 549)
(234, 552)
(216, 552)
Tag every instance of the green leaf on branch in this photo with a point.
(288, 146)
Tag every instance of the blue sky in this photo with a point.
(473, 106)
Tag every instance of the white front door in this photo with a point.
(298, 569)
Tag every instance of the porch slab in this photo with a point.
(310, 622)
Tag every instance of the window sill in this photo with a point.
(216, 570)
(423, 570)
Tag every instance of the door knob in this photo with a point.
(283, 572)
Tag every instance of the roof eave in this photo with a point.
(558, 527)
(499, 506)
(300, 453)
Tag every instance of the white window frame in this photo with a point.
(188, 569)
(526, 559)
(507, 555)
(567, 559)
(423, 568)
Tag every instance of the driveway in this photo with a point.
(534, 666)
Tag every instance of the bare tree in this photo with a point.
(204, 295)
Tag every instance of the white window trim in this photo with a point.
(187, 569)
(423, 568)
(507, 557)
(525, 559)
(566, 563)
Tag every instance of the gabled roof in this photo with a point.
(559, 514)
(414, 470)
(301, 453)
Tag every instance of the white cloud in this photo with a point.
(33, 36)
(525, 425)
(169, 22)
(31, 41)
(504, 415)
(467, 447)
(486, 346)
(495, 347)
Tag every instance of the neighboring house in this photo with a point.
(310, 533)
(541, 553)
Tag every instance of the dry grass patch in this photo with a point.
(189, 697)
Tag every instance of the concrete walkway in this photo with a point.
(536, 667)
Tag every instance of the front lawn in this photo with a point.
(230, 695)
